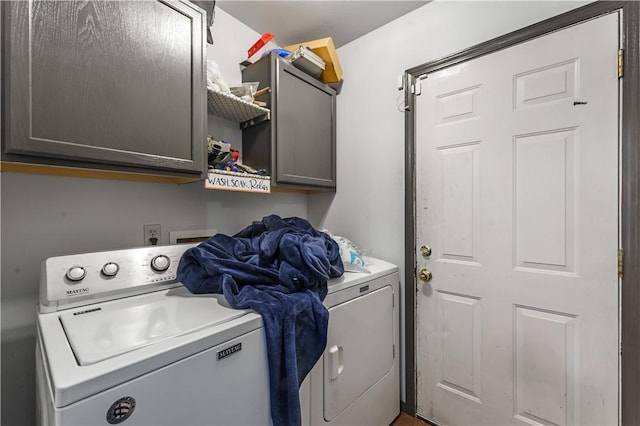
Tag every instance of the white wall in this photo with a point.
(368, 206)
(44, 216)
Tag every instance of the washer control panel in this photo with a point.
(76, 280)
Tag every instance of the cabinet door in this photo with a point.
(105, 81)
(305, 129)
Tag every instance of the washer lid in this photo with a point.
(104, 331)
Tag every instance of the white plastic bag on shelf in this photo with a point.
(350, 254)
(245, 91)
(215, 81)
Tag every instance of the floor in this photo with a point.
(406, 420)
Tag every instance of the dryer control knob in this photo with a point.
(110, 269)
(160, 263)
(76, 273)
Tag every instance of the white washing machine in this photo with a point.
(121, 341)
(357, 380)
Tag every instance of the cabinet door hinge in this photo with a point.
(620, 63)
(620, 262)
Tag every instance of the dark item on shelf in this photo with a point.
(248, 169)
(218, 153)
(229, 166)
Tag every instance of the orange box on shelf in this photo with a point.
(324, 48)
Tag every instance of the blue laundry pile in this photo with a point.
(279, 268)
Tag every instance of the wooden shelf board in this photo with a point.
(43, 169)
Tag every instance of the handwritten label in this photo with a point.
(238, 182)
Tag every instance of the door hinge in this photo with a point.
(394, 351)
(620, 262)
(620, 63)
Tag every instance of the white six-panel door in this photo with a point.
(517, 196)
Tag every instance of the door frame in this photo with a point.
(629, 193)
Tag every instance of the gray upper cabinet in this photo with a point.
(298, 145)
(116, 83)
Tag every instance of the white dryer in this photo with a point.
(357, 380)
(121, 341)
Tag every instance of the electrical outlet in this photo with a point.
(152, 235)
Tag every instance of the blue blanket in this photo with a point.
(279, 268)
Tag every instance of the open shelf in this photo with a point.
(235, 109)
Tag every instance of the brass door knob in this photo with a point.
(425, 274)
(425, 250)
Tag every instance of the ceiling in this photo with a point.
(297, 21)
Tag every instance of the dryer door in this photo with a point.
(359, 348)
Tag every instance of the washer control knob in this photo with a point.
(76, 273)
(160, 263)
(110, 269)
